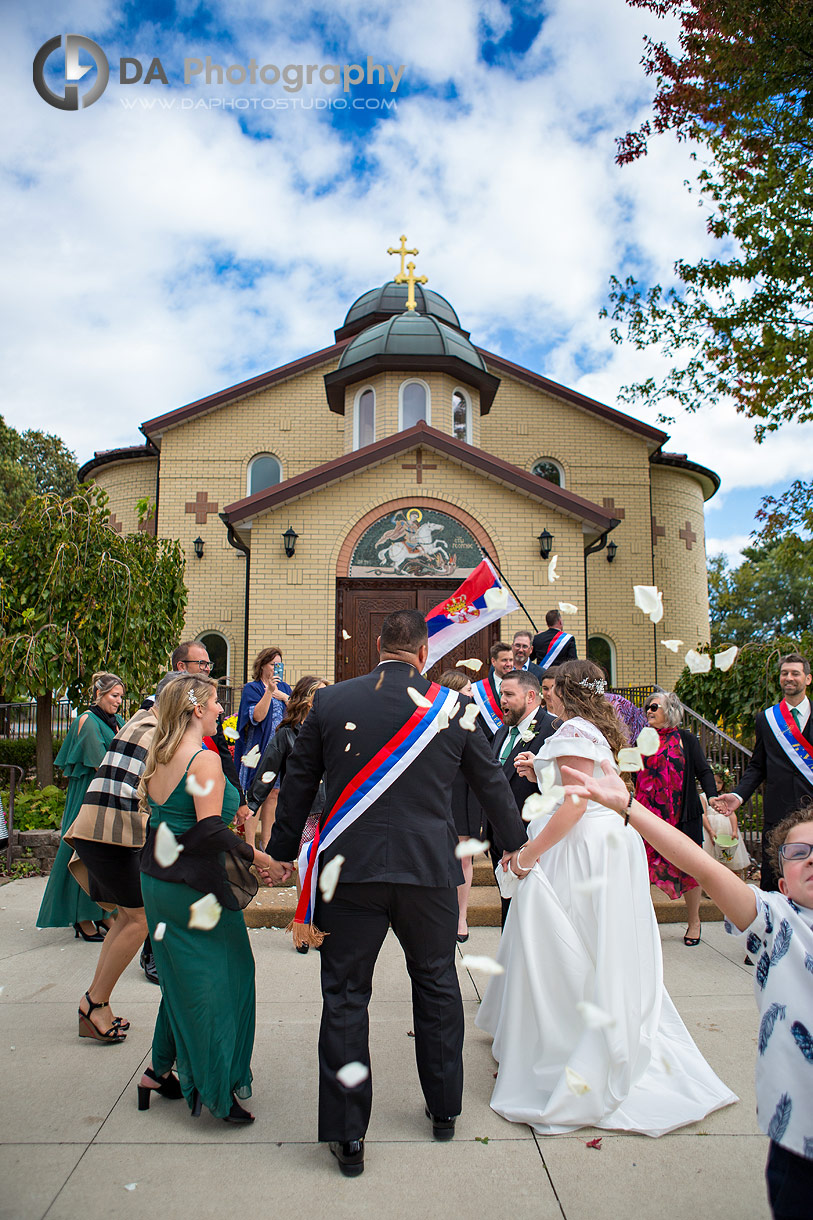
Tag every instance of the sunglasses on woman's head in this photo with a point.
(795, 851)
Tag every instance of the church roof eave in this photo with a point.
(337, 381)
(109, 457)
(708, 479)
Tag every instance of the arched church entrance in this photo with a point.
(409, 554)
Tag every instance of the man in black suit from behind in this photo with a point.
(542, 642)
(400, 870)
(523, 712)
(786, 788)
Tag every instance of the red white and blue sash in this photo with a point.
(559, 641)
(483, 694)
(798, 748)
(371, 782)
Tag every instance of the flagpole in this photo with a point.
(505, 580)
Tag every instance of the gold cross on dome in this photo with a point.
(412, 280)
(402, 250)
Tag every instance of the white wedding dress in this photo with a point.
(582, 928)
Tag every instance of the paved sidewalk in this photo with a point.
(72, 1141)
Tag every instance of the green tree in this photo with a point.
(16, 480)
(32, 462)
(738, 326)
(769, 595)
(76, 597)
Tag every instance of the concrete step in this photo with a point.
(275, 907)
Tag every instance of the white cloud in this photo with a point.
(731, 547)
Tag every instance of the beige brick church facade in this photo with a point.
(395, 454)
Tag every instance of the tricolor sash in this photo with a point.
(559, 641)
(798, 748)
(483, 694)
(371, 782)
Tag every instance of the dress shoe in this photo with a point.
(147, 963)
(350, 1156)
(442, 1128)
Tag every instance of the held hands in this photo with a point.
(524, 763)
(243, 813)
(273, 872)
(727, 802)
(509, 860)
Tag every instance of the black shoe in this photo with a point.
(350, 1156)
(302, 948)
(442, 1128)
(147, 964)
(462, 938)
(78, 931)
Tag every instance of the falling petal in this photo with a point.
(346, 635)
(268, 777)
(552, 573)
(167, 848)
(699, 663)
(469, 717)
(131, 1186)
(590, 886)
(576, 1083)
(496, 599)
(649, 599)
(329, 877)
(454, 709)
(230, 734)
(648, 741)
(471, 847)
(252, 758)
(672, 645)
(196, 789)
(593, 1016)
(470, 663)
(629, 759)
(724, 660)
(205, 913)
(417, 698)
(568, 608)
(534, 807)
(350, 726)
(347, 748)
(442, 720)
(380, 680)
(352, 1074)
(486, 965)
(160, 929)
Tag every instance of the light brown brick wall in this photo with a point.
(681, 573)
(126, 483)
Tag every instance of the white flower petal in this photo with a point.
(417, 698)
(591, 885)
(672, 645)
(470, 663)
(352, 1074)
(205, 913)
(486, 965)
(538, 804)
(167, 848)
(196, 789)
(229, 733)
(724, 660)
(471, 847)
(593, 1016)
(552, 573)
(496, 599)
(347, 748)
(442, 720)
(629, 759)
(699, 663)
(160, 929)
(329, 877)
(251, 759)
(647, 598)
(648, 741)
(568, 608)
(346, 635)
(469, 717)
(576, 1083)
(350, 726)
(268, 777)
(131, 1185)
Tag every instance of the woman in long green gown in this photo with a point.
(205, 1023)
(64, 903)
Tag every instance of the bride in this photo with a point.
(584, 1031)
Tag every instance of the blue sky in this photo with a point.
(172, 239)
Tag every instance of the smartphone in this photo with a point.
(279, 670)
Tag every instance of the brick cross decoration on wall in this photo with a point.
(114, 523)
(658, 531)
(201, 507)
(609, 503)
(688, 535)
(419, 466)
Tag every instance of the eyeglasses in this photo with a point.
(795, 851)
(652, 707)
(200, 664)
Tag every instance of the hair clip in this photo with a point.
(190, 694)
(595, 684)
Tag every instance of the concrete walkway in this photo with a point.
(73, 1145)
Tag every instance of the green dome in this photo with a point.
(411, 334)
(389, 300)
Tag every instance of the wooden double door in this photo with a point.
(362, 606)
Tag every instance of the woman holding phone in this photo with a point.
(262, 706)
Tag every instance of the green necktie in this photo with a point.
(797, 716)
(508, 744)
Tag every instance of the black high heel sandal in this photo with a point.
(88, 1030)
(168, 1086)
(101, 927)
(78, 931)
(197, 1104)
(237, 1114)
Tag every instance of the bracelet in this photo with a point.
(519, 866)
(628, 808)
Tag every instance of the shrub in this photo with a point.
(37, 808)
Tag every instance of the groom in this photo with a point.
(399, 867)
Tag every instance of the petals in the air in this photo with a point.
(352, 1074)
(230, 734)
(649, 599)
(196, 789)
(496, 599)
(329, 877)
(346, 635)
(252, 758)
(672, 645)
(350, 726)
(167, 848)
(471, 847)
(469, 663)
(417, 698)
(629, 759)
(486, 965)
(698, 662)
(568, 608)
(469, 718)
(724, 660)
(552, 573)
(160, 929)
(205, 913)
(268, 777)
(648, 741)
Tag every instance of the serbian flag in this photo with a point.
(480, 600)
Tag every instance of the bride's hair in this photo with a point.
(579, 684)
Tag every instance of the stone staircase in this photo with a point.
(274, 907)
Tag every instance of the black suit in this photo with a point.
(542, 643)
(400, 870)
(786, 788)
(521, 788)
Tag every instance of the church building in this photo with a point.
(373, 474)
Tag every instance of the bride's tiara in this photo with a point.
(595, 684)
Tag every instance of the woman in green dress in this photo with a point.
(205, 1023)
(64, 903)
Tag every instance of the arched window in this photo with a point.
(263, 471)
(414, 404)
(548, 468)
(601, 649)
(217, 647)
(461, 416)
(364, 420)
